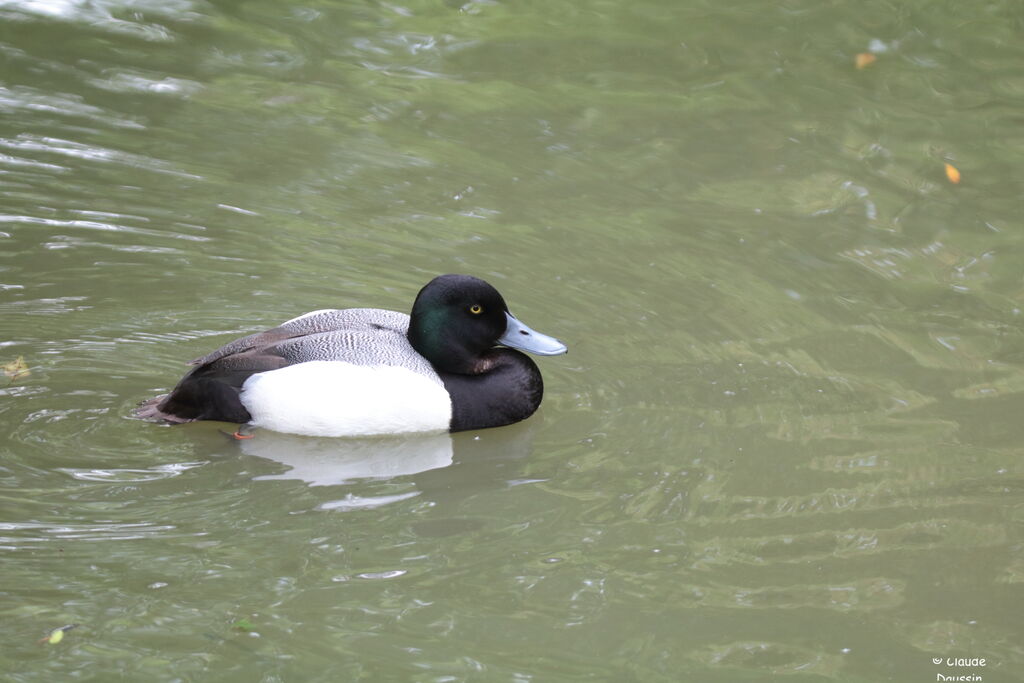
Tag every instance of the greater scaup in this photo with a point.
(450, 365)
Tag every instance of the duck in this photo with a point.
(454, 363)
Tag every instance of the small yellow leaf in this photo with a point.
(864, 60)
(57, 634)
(952, 173)
(16, 369)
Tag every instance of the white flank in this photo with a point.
(334, 398)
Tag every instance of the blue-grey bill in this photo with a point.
(519, 336)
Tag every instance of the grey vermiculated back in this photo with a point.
(362, 336)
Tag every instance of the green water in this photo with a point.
(785, 444)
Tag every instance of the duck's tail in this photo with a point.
(150, 410)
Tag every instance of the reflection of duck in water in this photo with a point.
(365, 371)
(375, 471)
(485, 458)
(327, 462)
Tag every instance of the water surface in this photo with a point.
(785, 441)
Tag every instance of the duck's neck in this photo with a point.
(509, 390)
(446, 352)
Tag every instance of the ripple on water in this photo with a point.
(390, 574)
(130, 475)
(109, 532)
(39, 144)
(92, 222)
(859, 595)
(129, 81)
(770, 658)
(354, 502)
(817, 546)
(99, 16)
(26, 98)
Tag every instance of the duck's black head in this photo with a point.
(456, 318)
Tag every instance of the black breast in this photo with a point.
(509, 391)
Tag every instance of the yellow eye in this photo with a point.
(476, 309)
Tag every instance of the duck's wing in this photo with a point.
(311, 332)
(378, 346)
(362, 336)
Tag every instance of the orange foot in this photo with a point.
(239, 434)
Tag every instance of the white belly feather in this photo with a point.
(335, 398)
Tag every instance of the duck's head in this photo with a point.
(457, 318)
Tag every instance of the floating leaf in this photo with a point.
(16, 369)
(952, 173)
(244, 625)
(864, 59)
(57, 634)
